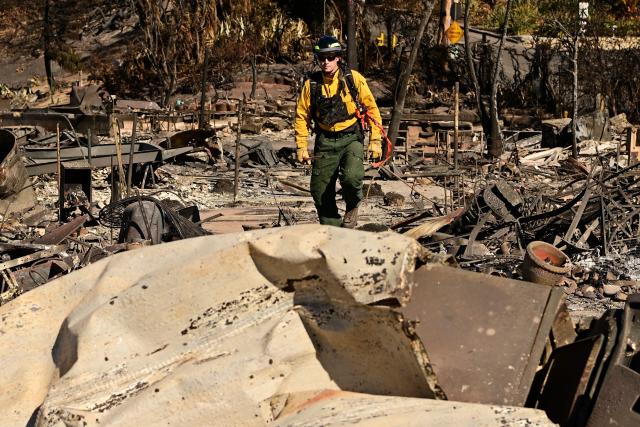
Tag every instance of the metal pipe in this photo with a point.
(91, 134)
(237, 168)
(132, 149)
(456, 116)
(59, 171)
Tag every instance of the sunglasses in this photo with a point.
(330, 58)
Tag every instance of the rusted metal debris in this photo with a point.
(58, 235)
(485, 335)
(618, 400)
(20, 255)
(41, 161)
(594, 380)
(515, 344)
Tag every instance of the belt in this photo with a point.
(353, 129)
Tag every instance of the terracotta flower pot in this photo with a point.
(545, 264)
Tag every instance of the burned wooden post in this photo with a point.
(254, 77)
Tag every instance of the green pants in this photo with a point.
(336, 158)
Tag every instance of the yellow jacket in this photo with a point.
(330, 85)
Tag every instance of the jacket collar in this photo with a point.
(330, 79)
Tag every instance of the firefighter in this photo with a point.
(328, 104)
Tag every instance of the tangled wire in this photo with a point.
(113, 214)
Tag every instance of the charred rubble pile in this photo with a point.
(529, 259)
(85, 180)
(539, 214)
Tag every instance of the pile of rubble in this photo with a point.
(556, 331)
(585, 208)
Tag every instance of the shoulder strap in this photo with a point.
(315, 90)
(351, 84)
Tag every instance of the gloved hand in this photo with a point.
(375, 149)
(302, 154)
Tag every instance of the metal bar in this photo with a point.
(10, 281)
(587, 232)
(132, 149)
(455, 125)
(603, 231)
(144, 177)
(237, 166)
(118, 142)
(79, 153)
(211, 218)
(144, 217)
(98, 162)
(32, 257)
(468, 251)
(410, 220)
(58, 235)
(446, 205)
(578, 216)
(59, 174)
(89, 145)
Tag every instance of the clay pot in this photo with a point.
(545, 264)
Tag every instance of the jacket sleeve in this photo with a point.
(302, 122)
(369, 102)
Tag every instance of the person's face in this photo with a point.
(328, 63)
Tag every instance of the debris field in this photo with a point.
(531, 259)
